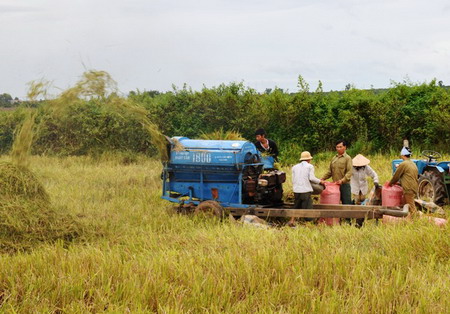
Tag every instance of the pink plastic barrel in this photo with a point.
(391, 220)
(329, 221)
(440, 222)
(331, 195)
(391, 195)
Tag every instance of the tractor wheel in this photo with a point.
(209, 209)
(431, 188)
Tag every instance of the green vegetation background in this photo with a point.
(371, 120)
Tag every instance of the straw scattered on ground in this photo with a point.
(26, 214)
(27, 217)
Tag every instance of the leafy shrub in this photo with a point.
(371, 120)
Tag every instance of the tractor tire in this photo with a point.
(432, 188)
(209, 209)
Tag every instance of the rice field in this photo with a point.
(132, 253)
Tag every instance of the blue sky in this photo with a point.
(152, 44)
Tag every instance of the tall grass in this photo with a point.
(149, 259)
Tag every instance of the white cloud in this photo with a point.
(154, 44)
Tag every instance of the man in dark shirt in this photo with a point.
(264, 145)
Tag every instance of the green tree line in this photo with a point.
(6, 101)
(305, 120)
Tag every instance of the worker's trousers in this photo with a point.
(303, 201)
(409, 199)
(346, 194)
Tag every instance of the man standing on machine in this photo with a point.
(264, 145)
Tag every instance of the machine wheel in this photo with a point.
(431, 188)
(210, 209)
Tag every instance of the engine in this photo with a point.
(263, 187)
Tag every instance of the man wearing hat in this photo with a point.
(302, 176)
(361, 170)
(407, 173)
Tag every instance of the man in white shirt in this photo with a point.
(302, 176)
(361, 170)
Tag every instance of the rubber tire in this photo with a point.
(209, 208)
(436, 181)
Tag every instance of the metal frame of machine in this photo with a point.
(223, 171)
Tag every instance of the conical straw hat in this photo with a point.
(360, 161)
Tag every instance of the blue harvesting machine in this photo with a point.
(231, 173)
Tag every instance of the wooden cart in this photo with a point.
(323, 211)
(286, 210)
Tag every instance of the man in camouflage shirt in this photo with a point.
(341, 171)
(407, 173)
